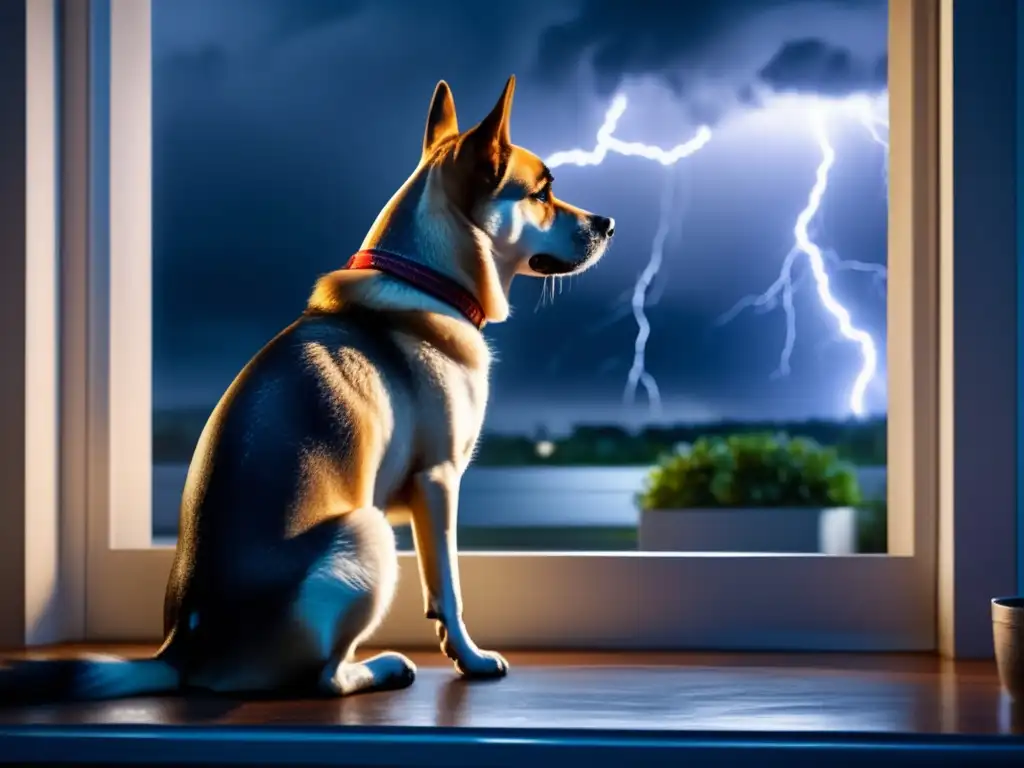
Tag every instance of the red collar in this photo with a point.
(420, 276)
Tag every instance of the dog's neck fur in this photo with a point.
(420, 224)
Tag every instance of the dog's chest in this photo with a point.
(453, 403)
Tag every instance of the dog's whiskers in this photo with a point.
(542, 299)
(547, 292)
(550, 286)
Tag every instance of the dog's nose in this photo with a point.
(604, 225)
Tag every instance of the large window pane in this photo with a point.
(735, 331)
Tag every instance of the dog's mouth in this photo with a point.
(546, 264)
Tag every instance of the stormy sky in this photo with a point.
(281, 127)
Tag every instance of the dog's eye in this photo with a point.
(543, 194)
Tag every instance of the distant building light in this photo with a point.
(544, 448)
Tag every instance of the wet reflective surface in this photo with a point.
(558, 698)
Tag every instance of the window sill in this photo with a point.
(607, 709)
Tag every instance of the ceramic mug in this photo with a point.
(1008, 637)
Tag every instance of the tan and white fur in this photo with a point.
(366, 408)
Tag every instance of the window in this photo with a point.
(261, 177)
(211, 161)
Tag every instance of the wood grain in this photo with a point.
(732, 696)
(772, 692)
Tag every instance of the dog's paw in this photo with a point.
(393, 670)
(384, 672)
(470, 661)
(481, 665)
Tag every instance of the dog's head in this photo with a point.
(506, 194)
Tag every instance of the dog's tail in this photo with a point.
(83, 679)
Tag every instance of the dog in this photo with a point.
(364, 411)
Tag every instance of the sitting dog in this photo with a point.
(364, 410)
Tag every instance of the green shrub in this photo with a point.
(872, 528)
(756, 470)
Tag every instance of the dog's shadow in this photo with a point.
(451, 705)
(454, 701)
(201, 708)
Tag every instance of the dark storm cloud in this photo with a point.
(301, 16)
(282, 126)
(681, 44)
(202, 64)
(638, 38)
(815, 66)
(882, 69)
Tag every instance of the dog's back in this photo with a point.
(325, 387)
(317, 425)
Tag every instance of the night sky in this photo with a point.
(281, 127)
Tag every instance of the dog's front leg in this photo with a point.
(434, 519)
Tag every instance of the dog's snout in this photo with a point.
(604, 226)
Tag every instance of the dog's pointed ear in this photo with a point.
(489, 142)
(442, 123)
(496, 125)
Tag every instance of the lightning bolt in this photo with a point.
(874, 123)
(869, 354)
(782, 290)
(638, 373)
(607, 142)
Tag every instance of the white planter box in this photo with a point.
(830, 531)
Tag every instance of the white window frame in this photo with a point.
(898, 601)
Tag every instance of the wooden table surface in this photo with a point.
(863, 699)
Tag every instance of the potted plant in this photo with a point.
(750, 493)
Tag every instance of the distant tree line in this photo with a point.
(860, 441)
